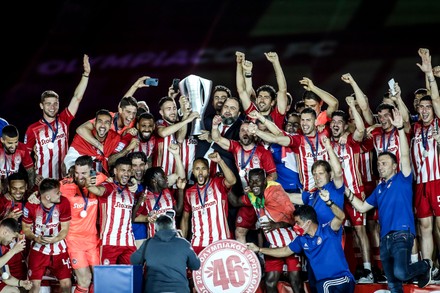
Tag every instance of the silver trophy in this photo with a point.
(198, 91)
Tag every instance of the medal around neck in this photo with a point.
(83, 214)
(5, 276)
(50, 145)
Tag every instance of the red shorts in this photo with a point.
(356, 218)
(275, 264)
(111, 255)
(59, 265)
(427, 199)
(246, 218)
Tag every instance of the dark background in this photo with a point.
(44, 41)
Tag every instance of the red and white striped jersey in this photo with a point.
(348, 155)
(161, 156)
(279, 237)
(115, 206)
(147, 147)
(306, 156)
(48, 222)
(425, 152)
(48, 161)
(160, 203)
(387, 141)
(209, 212)
(366, 160)
(10, 163)
(247, 160)
(188, 155)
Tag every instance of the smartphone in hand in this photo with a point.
(152, 81)
(176, 85)
(391, 84)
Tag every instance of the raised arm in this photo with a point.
(281, 81)
(329, 99)
(244, 67)
(78, 94)
(359, 131)
(168, 130)
(338, 175)
(426, 67)
(139, 83)
(405, 161)
(403, 109)
(230, 179)
(361, 98)
(174, 149)
(85, 131)
(272, 127)
(339, 218)
(224, 143)
(269, 137)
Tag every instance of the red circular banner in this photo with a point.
(227, 266)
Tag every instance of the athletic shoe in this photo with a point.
(425, 279)
(366, 278)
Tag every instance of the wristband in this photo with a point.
(248, 74)
(18, 284)
(85, 75)
(400, 128)
(331, 203)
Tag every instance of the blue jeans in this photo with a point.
(395, 254)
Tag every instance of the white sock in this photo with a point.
(367, 265)
(414, 257)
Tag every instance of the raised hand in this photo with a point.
(272, 57)
(397, 121)
(426, 60)
(240, 57)
(347, 78)
(307, 84)
(215, 157)
(216, 120)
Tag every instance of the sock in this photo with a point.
(79, 289)
(414, 258)
(367, 265)
(376, 258)
(91, 288)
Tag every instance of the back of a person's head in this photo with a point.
(163, 222)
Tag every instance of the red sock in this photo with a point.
(79, 289)
(91, 288)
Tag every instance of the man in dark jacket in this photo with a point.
(167, 257)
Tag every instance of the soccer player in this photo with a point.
(82, 239)
(207, 204)
(46, 225)
(116, 201)
(48, 138)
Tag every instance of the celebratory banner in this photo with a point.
(227, 266)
